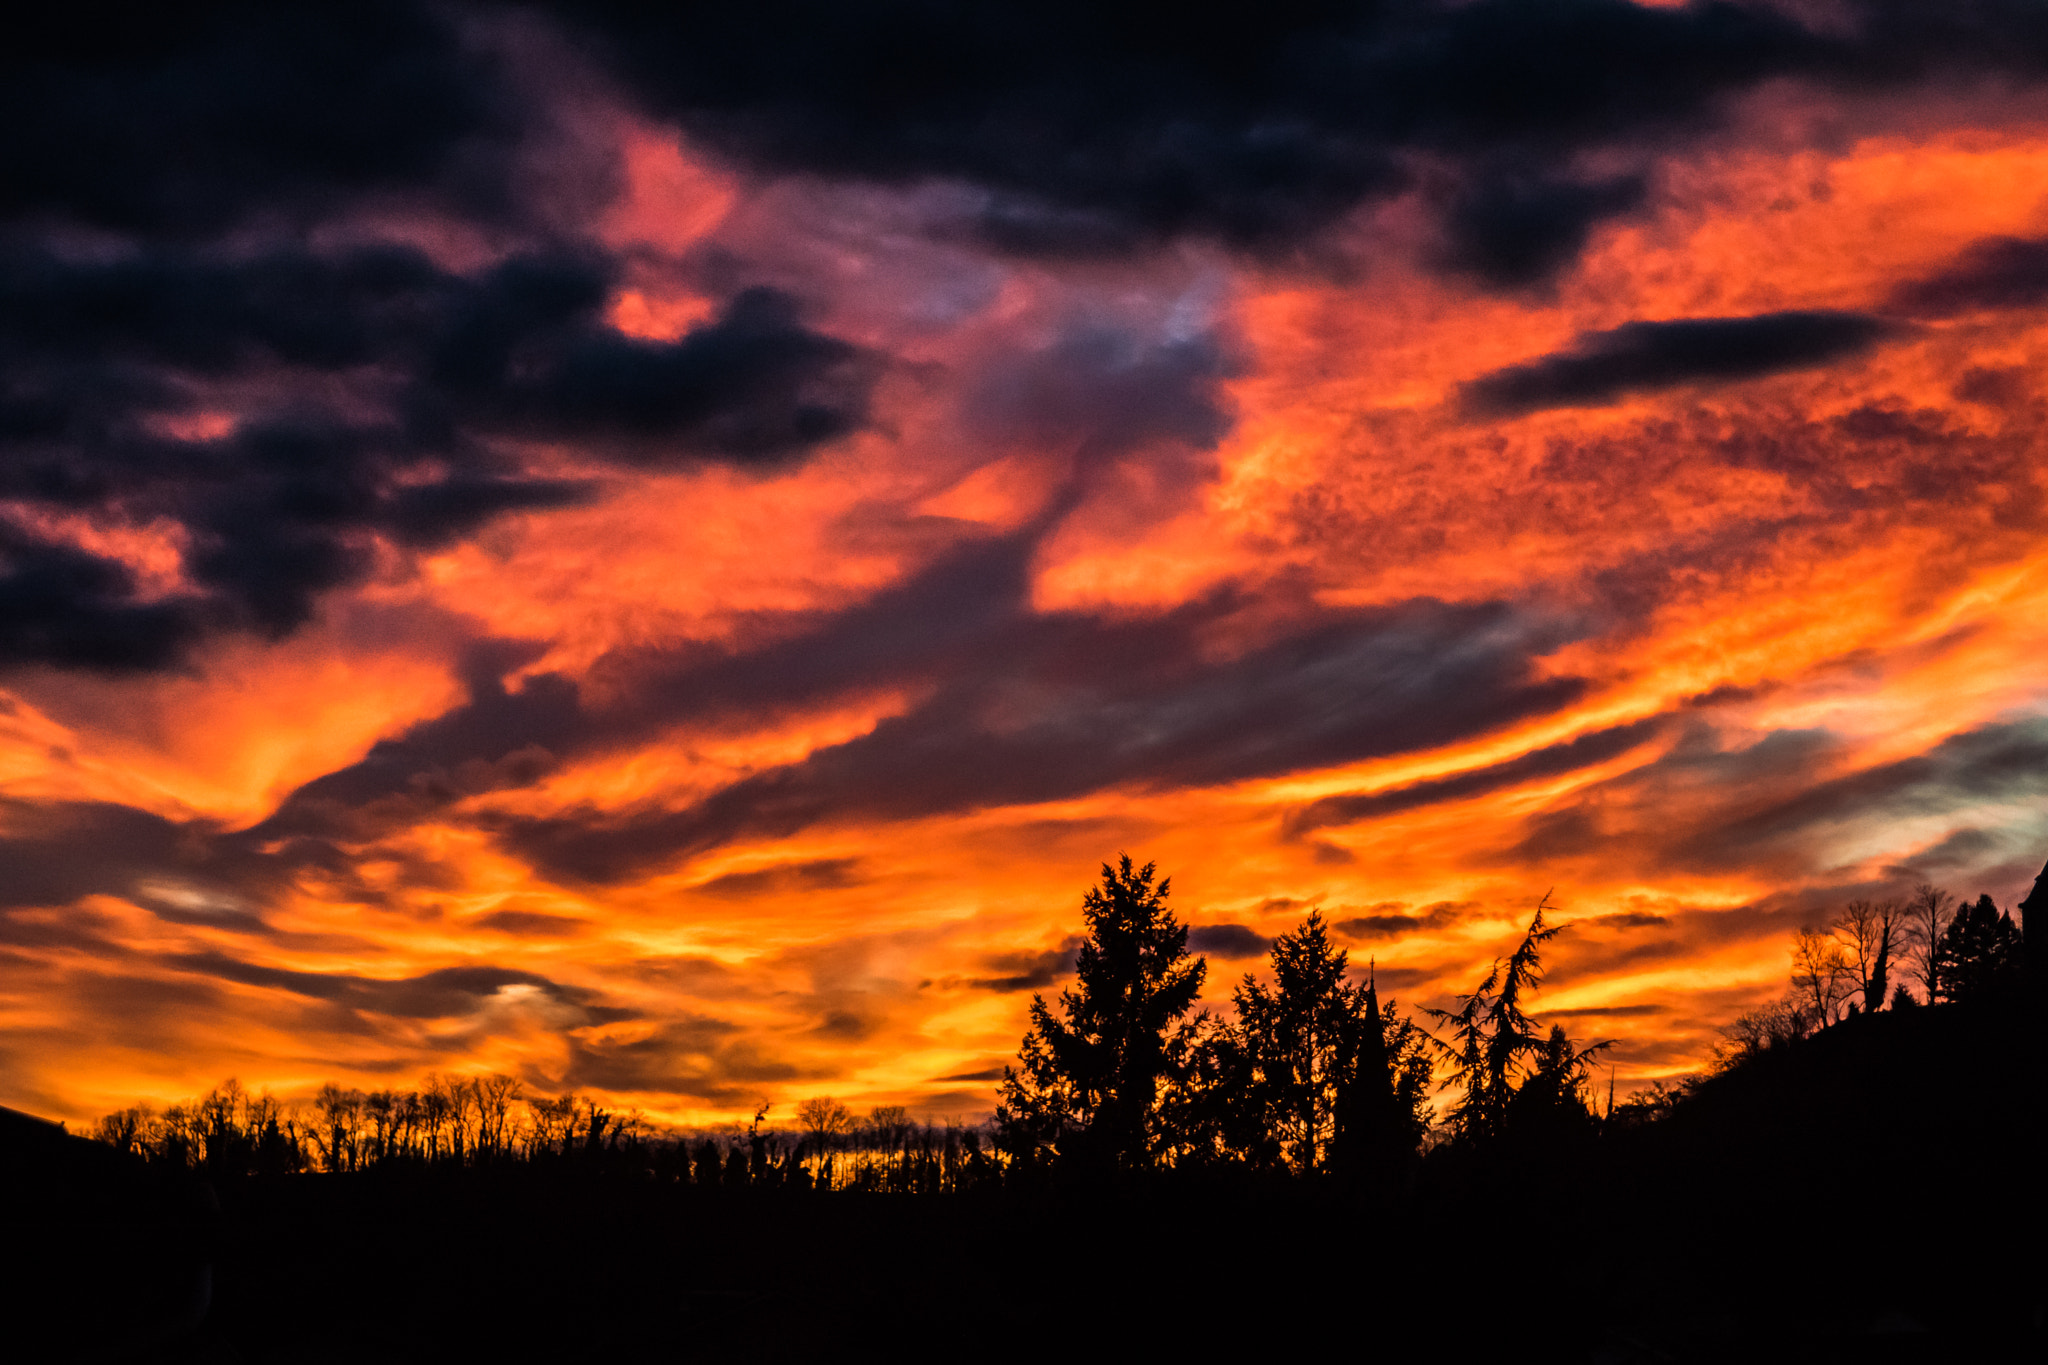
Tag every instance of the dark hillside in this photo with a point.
(1875, 1183)
(1858, 1196)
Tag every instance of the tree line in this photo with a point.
(1311, 1075)
(1846, 966)
(479, 1122)
(448, 1121)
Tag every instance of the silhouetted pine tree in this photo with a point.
(1207, 1111)
(1382, 1110)
(1313, 1073)
(1497, 1047)
(1088, 1085)
(1300, 1036)
(1492, 1036)
(1551, 1106)
(1979, 953)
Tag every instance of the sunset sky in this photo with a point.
(660, 556)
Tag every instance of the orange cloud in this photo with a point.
(730, 784)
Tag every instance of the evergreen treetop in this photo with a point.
(1091, 1069)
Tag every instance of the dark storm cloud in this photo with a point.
(182, 119)
(80, 929)
(1644, 357)
(1550, 761)
(520, 348)
(528, 353)
(1509, 229)
(63, 606)
(443, 994)
(1628, 919)
(700, 1057)
(1990, 275)
(1228, 941)
(822, 874)
(1094, 128)
(98, 354)
(159, 159)
(1103, 128)
(1377, 926)
(143, 1011)
(432, 515)
(532, 924)
(1964, 849)
(497, 738)
(154, 149)
(844, 1026)
(1027, 971)
(1019, 706)
(56, 852)
(952, 612)
(1054, 706)
(1439, 915)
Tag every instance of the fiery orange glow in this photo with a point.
(1701, 658)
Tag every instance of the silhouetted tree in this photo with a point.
(1497, 1049)
(2033, 945)
(1088, 1084)
(1651, 1104)
(1870, 933)
(1493, 1035)
(760, 1158)
(1822, 975)
(1383, 1110)
(225, 1146)
(549, 1124)
(125, 1130)
(494, 1097)
(707, 1162)
(1300, 1035)
(1757, 1031)
(887, 1133)
(272, 1148)
(340, 1130)
(1313, 1074)
(1551, 1104)
(1928, 915)
(435, 1112)
(1209, 1111)
(1979, 952)
(825, 1121)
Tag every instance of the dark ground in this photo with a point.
(1871, 1195)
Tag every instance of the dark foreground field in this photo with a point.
(1872, 1195)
